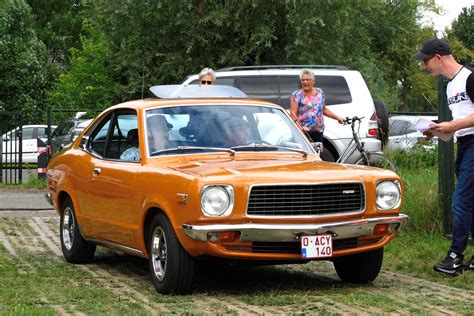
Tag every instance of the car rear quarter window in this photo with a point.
(260, 87)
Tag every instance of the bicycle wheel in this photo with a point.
(376, 160)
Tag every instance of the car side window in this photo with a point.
(27, 133)
(114, 135)
(99, 136)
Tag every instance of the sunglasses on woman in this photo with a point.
(206, 82)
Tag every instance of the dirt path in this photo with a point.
(279, 290)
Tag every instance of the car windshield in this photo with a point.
(194, 129)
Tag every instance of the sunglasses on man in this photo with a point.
(427, 59)
(206, 82)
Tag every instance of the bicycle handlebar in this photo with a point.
(353, 119)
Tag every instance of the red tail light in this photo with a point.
(373, 125)
(373, 132)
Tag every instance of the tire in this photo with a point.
(384, 125)
(360, 268)
(171, 267)
(75, 248)
(377, 161)
(327, 155)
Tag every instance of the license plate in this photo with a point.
(319, 246)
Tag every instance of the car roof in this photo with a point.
(151, 103)
(196, 91)
(280, 67)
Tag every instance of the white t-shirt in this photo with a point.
(459, 101)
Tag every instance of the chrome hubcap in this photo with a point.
(68, 228)
(159, 253)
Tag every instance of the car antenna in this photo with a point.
(143, 81)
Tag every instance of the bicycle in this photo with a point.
(365, 158)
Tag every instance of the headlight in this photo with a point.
(217, 200)
(388, 195)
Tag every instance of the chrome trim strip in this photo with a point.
(305, 216)
(48, 198)
(292, 232)
(115, 246)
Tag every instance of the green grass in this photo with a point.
(32, 183)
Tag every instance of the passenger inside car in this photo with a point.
(158, 130)
(132, 153)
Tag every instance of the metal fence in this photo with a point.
(401, 134)
(11, 150)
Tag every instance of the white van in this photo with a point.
(346, 93)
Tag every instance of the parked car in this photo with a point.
(196, 190)
(346, 94)
(403, 136)
(66, 132)
(29, 144)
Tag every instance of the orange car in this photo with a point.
(177, 179)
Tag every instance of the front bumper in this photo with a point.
(292, 232)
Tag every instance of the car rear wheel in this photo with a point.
(360, 268)
(75, 248)
(382, 113)
(171, 267)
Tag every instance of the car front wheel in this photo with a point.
(75, 248)
(359, 268)
(171, 267)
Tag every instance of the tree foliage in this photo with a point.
(463, 27)
(24, 68)
(58, 26)
(110, 51)
(87, 85)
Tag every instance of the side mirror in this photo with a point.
(84, 144)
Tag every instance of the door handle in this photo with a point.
(96, 171)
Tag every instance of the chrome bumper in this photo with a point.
(292, 232)
(48, 198)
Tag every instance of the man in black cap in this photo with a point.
(436, 58)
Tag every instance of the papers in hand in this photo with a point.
(423, 125)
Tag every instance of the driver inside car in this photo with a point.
(236, 131)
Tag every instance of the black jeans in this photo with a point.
(316, 136)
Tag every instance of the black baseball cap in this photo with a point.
(432, 47)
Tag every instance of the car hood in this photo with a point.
(289, 169)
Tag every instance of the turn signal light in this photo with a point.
(381, 229)
(222, 236)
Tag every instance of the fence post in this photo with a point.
(445, 160)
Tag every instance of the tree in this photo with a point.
(58, 26)
(24, 67)
(164, 41)
(87, 85)
(461, 37)
(463, 27)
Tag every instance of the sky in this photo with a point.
(452, 9)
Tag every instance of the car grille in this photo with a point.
(301, 200)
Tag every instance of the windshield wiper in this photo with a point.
(266, 146)
(192, 148)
